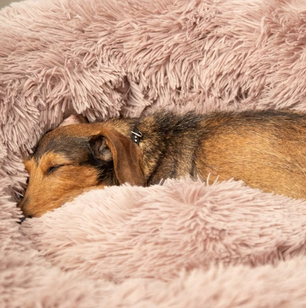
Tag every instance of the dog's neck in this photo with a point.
(136, 135)
(159, 137)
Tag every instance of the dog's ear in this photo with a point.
(73, 119)
(100, 148)
(126, 156)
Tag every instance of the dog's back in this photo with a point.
(266, 150)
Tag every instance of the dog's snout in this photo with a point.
(23, 206)
(23, 203)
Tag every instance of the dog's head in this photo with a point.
(76, 157)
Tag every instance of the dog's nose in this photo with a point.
(22, 219)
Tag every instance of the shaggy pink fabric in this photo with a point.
(180, 244)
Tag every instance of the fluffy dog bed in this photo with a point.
(178, 244)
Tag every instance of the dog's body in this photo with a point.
(265, 149)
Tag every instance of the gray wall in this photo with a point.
(7, 2)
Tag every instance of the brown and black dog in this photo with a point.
(265, 149)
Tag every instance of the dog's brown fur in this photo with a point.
(265, 149)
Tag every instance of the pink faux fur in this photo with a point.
(179, 244)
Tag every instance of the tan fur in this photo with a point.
(261, 161)
(47, 192)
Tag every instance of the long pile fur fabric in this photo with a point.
(182, 243)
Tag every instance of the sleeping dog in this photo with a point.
(265, 149)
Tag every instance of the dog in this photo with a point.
(265, 149)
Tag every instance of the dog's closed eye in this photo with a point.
(53, 168)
